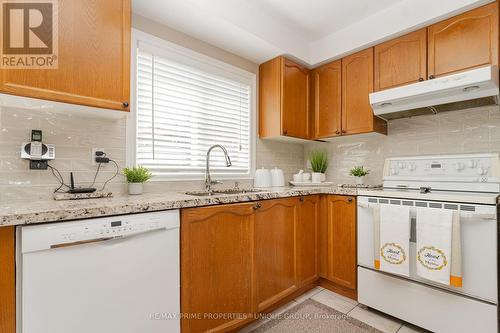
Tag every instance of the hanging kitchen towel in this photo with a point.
(395, 239)
(433, 250)
(456, 251)
(376, 235)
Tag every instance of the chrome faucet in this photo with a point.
(208, 179)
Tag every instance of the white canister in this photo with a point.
(277, 177)
(262, 178)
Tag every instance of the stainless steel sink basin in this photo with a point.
(228, 191)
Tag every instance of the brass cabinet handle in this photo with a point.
(344, 132)
(285, 132)
(337, 132)
(257, 206)
(421, 79)
(125, 104)
(349, 199)
(301, 199)
(431, 77)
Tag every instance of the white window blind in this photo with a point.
(183, 109)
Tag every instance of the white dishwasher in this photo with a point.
(106, 275)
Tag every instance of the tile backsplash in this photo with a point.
(466, 131)
(75, 135)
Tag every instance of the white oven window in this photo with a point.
(185, 103)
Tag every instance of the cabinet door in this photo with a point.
(216, 265)
(401, 61)
(295, 112)
(341, 243)
(307, 240)
(275, 250)
(357, 83)
(327, 99)
(465, 41)
(7, 281)
(94, 58)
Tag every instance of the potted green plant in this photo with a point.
(319, 164)
(359, 172)
(136, 177)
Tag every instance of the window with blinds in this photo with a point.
(184, 109)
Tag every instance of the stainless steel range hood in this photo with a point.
(473, 88)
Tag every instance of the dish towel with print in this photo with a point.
(395, 239)
(456, 252)
(433, 252)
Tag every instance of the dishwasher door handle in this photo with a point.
(104, 239)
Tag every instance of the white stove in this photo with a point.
(469, 184)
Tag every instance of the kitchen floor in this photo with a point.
(345, 305)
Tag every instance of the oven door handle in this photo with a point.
(463, 214)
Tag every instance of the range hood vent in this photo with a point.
(471, 89)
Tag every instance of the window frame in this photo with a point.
(169, 49)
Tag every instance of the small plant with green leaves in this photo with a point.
(359, 171)
(138, 174)
(319, 161)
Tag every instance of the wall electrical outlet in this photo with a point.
(94, 150)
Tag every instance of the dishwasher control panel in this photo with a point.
(65, 234)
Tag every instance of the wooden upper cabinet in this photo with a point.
(216, 265)
(463, 42)
(7, 280)
(401, 61)
(283, 99)
(295, 114)
(357, 84)
(341, 241)
(326, 96)
(93, 58)
(275, 250)
(307, 239)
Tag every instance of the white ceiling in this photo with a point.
(316, 19)
(312, 31)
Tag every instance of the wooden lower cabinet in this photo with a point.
(275, 250)
(247, 258)
(338, 244)
(216, 265)
(307, 240)
(7, 280)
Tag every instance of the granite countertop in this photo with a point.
(20, 213)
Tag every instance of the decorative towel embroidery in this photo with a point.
(393, 253)
(432, 258)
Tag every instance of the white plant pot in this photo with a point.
(135, 188)
(360, 180)
(317, 177)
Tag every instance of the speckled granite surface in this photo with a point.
(18, 213)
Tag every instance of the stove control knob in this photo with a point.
(480, 171)
(394, 171)
(472, 164)
(401, 165)
(412, 166)
(459, 166)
